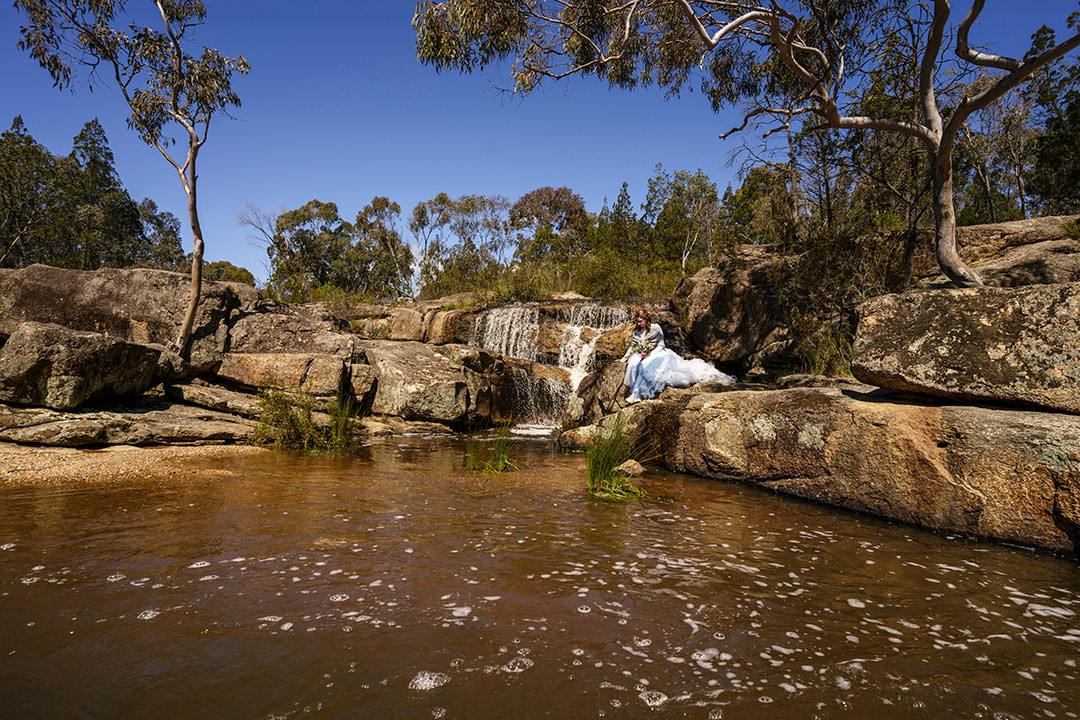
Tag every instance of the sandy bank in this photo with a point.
(52, 465)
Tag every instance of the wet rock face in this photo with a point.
(140, 306)
(1003, 474)
(53, 366)
(1004, 345)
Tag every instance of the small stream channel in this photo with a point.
(396, 584)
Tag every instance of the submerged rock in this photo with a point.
(1005, 345)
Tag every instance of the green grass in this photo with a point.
(609, 448)
(499, 459)
(287, 422)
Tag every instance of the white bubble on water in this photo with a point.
(115, 577)
(438, 713)
(287, 626)
(517, 664)
(7, 546)
(339, 597)
(425, 680)
(843, 683)
(149, 614)
(1048, 611)
(653, 698)
(271, 618)
(584, 609)
(204, 578)
(198, 564)
(856, 603)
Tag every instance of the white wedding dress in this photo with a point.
(665, 368)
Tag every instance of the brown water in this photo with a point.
(397, 585)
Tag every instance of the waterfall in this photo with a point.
(515, 331)
(510, 331)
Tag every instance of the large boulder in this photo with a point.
(137, 305)
(732, 313)
(267, 326)
(384, 322)
(154, 423)
(1006, 345)
(414, 382)
(53, 366)
(309, 373)
(1003, 474)
(1010, 254)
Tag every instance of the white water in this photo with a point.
(514, 331)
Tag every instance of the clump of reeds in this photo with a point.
(499, 459)
(287, 421)
(609, 448)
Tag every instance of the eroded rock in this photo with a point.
(137, 305)
(53, 366)
(1005, 345)
(148, 423)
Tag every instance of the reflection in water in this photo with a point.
(397, 584)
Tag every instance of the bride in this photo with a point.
(650, 366)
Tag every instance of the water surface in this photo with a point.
(398, 585)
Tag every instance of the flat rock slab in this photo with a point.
(150, 423)
(1004, 345)
(1008, 475)
(215, 397)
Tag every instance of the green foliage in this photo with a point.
(613, 445)
(499, 453)
(73, 211)
(313, 250)
(225, 271)
(1072, 230)
(287, 422)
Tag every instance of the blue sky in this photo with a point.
(337, 108)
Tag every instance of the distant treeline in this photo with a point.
(843, 209)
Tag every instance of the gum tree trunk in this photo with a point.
(945, 223)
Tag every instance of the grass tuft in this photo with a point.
(499, 459)
(287, 422)
(609, 448)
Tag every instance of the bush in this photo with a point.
(287, 422)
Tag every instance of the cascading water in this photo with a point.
(515, 332)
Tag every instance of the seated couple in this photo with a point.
(650, 367)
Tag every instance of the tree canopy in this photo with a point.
(790, 61)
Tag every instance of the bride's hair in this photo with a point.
(640, 312)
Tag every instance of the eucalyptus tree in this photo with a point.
(790, 60)
(162, 84)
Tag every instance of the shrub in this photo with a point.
(287, 421)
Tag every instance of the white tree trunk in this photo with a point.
(945, 223)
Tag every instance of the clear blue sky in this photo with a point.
(337, 108)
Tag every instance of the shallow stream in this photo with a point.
(398, 585)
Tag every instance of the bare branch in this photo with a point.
(964, 51)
